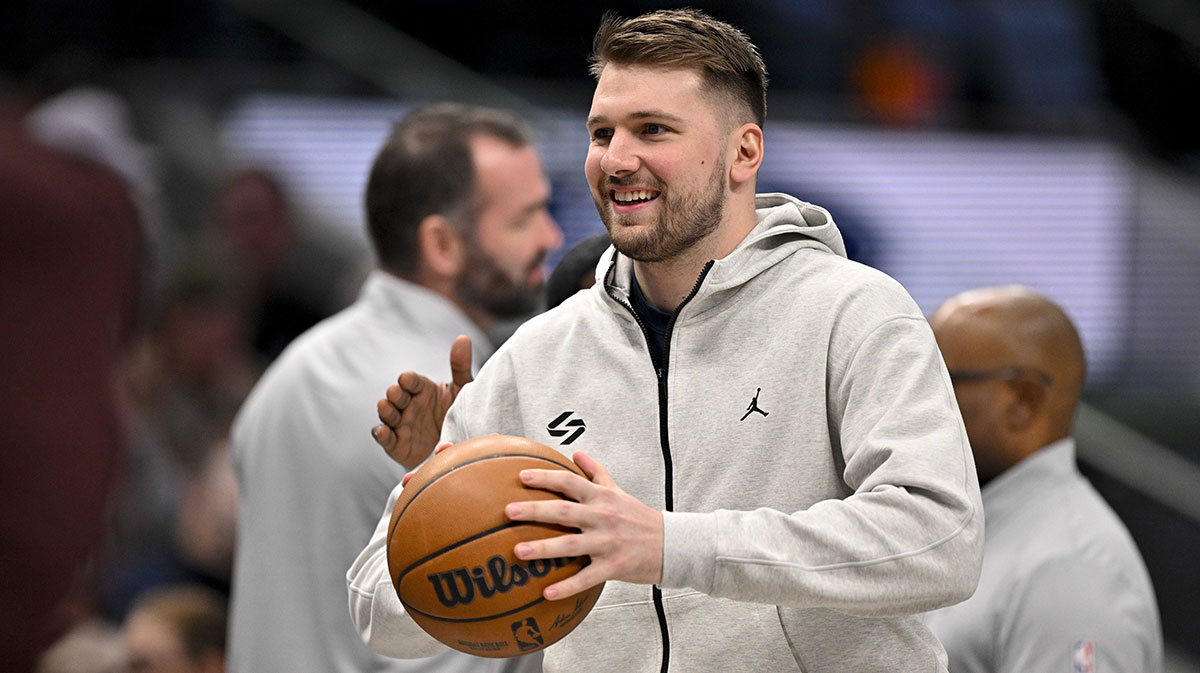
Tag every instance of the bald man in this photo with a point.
(1063, 586)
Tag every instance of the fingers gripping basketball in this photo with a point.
(450, 551)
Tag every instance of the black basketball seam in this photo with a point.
(469, 462)
(456, 545)
(400, 577)
(409, 608)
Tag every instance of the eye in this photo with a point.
(601, 134)
(654, 129)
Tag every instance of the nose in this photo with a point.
(619, 157)
(551, 234)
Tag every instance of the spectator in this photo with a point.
(456, 207)
(184, 381)
(291, 283)
(1063, 586)
(176, 629)
(70, 282)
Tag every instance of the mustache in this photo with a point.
(630, 180)
(537, 262)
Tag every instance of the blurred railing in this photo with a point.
(1138, 461)
(375, 51)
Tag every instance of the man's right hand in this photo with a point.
(413, 410)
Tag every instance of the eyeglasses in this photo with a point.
(1002, 374)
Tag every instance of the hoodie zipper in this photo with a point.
(660, 371)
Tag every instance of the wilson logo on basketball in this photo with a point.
(456, 575)
(460, 585)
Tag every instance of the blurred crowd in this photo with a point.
(120, 531)
(138, 343)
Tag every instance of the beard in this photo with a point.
(485, 285)
(682, 220)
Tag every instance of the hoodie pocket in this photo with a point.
(827, 641)
(709, 634)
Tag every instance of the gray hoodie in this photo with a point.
(801, 438)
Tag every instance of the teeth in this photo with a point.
(636, 195)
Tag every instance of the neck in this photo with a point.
(477, 316)
(447, 287)
(666, 283)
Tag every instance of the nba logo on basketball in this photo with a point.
(1081, 657)
(528, 635)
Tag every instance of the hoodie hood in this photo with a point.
(779, 212)
(785, 225)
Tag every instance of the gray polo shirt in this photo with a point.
(1063, 586)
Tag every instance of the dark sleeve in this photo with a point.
(70, 250)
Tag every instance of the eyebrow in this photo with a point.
(640, 114)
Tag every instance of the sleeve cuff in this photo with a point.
(689, 551)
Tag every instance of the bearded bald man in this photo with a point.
(1063, 587)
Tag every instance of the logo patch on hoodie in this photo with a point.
(561, 427)
(754, 406)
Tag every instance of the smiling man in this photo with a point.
(801, 537)
(456, 207)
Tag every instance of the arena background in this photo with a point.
(958, 143)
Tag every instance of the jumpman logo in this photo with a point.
(754, 405)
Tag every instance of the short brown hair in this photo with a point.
(686, 38)
(426, 168)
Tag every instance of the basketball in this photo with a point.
(450, 551)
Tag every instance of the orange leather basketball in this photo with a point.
(450, 551)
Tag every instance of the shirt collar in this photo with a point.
(1050, 466)
(416, 304)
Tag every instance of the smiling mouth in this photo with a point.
(633, 197)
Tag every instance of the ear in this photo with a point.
(1025, 405)
(442, 248)
(748, 154)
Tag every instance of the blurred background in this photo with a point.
(958, 143)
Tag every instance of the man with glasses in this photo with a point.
(1063, 586)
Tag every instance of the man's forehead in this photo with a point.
(637, 91)
(490, 154)
(618, 79)
(509, 174)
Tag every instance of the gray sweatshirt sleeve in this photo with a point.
(375, 609)
(909, 536)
